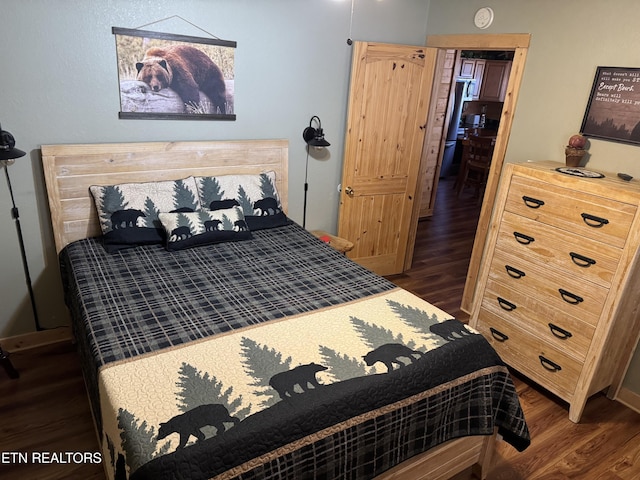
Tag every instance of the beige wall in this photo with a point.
(569, 39)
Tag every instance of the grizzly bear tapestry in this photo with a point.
(165, 76)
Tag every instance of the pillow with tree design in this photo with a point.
(256, 195)
(189, 229)
(128, 212)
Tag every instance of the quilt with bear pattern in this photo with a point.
(272, 358)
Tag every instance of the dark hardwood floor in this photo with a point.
(443, 249)
(46, 409)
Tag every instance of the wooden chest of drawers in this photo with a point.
(559, 287)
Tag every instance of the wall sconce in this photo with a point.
(313, 137)
(8, 154)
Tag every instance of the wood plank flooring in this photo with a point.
(46, 409)
(443, 249)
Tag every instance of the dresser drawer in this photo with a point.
(591, 216)
(568, 295)
(549, 367)
(582, 258)
(564, 332)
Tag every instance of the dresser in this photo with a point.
(558, 292)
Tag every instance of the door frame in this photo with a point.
(519, 43)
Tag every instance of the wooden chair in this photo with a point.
(475, 164)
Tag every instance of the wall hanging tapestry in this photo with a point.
(166, 76)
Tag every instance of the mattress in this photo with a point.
(272, 358)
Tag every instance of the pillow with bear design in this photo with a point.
(204, 227)
(128, 212)
(255, 194)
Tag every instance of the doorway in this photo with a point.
(448, 219)
(519, 44)
(476, 98)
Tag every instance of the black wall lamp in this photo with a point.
(313, 137)
(8, 154)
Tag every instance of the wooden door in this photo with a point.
(388, 104)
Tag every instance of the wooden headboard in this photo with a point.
(69, 170)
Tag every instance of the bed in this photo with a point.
(263, 354)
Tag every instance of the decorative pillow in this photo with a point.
(128, 212)
(184, 230)
(256, 195)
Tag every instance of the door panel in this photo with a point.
(377, 248)
(388, 103)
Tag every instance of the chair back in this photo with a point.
(476, 163)
(480, 152)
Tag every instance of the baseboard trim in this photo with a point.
(30, 340)
(629, 398)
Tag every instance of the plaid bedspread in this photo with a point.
(274, 358)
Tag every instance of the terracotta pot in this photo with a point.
(574, 156)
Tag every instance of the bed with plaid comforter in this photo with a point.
(272, 358)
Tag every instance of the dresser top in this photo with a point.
(546, 171)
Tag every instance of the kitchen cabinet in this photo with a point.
(473, 68)
(557, 293)
(467, 67)
(491, 78)
(495, 78)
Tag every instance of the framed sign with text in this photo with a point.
(613, 111)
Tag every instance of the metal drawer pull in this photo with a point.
(581, 260)
(514, 272)
(549, 365)
(522, 238)
(532, 202)
(560, 332)
(594, 221)
(506, 305)
(498, 335)
(569, 297)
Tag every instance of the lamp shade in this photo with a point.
(8, 150)
(314, 136)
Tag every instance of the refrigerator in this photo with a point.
(462, 91)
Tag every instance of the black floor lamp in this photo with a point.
(8, 154)
(314, 137)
